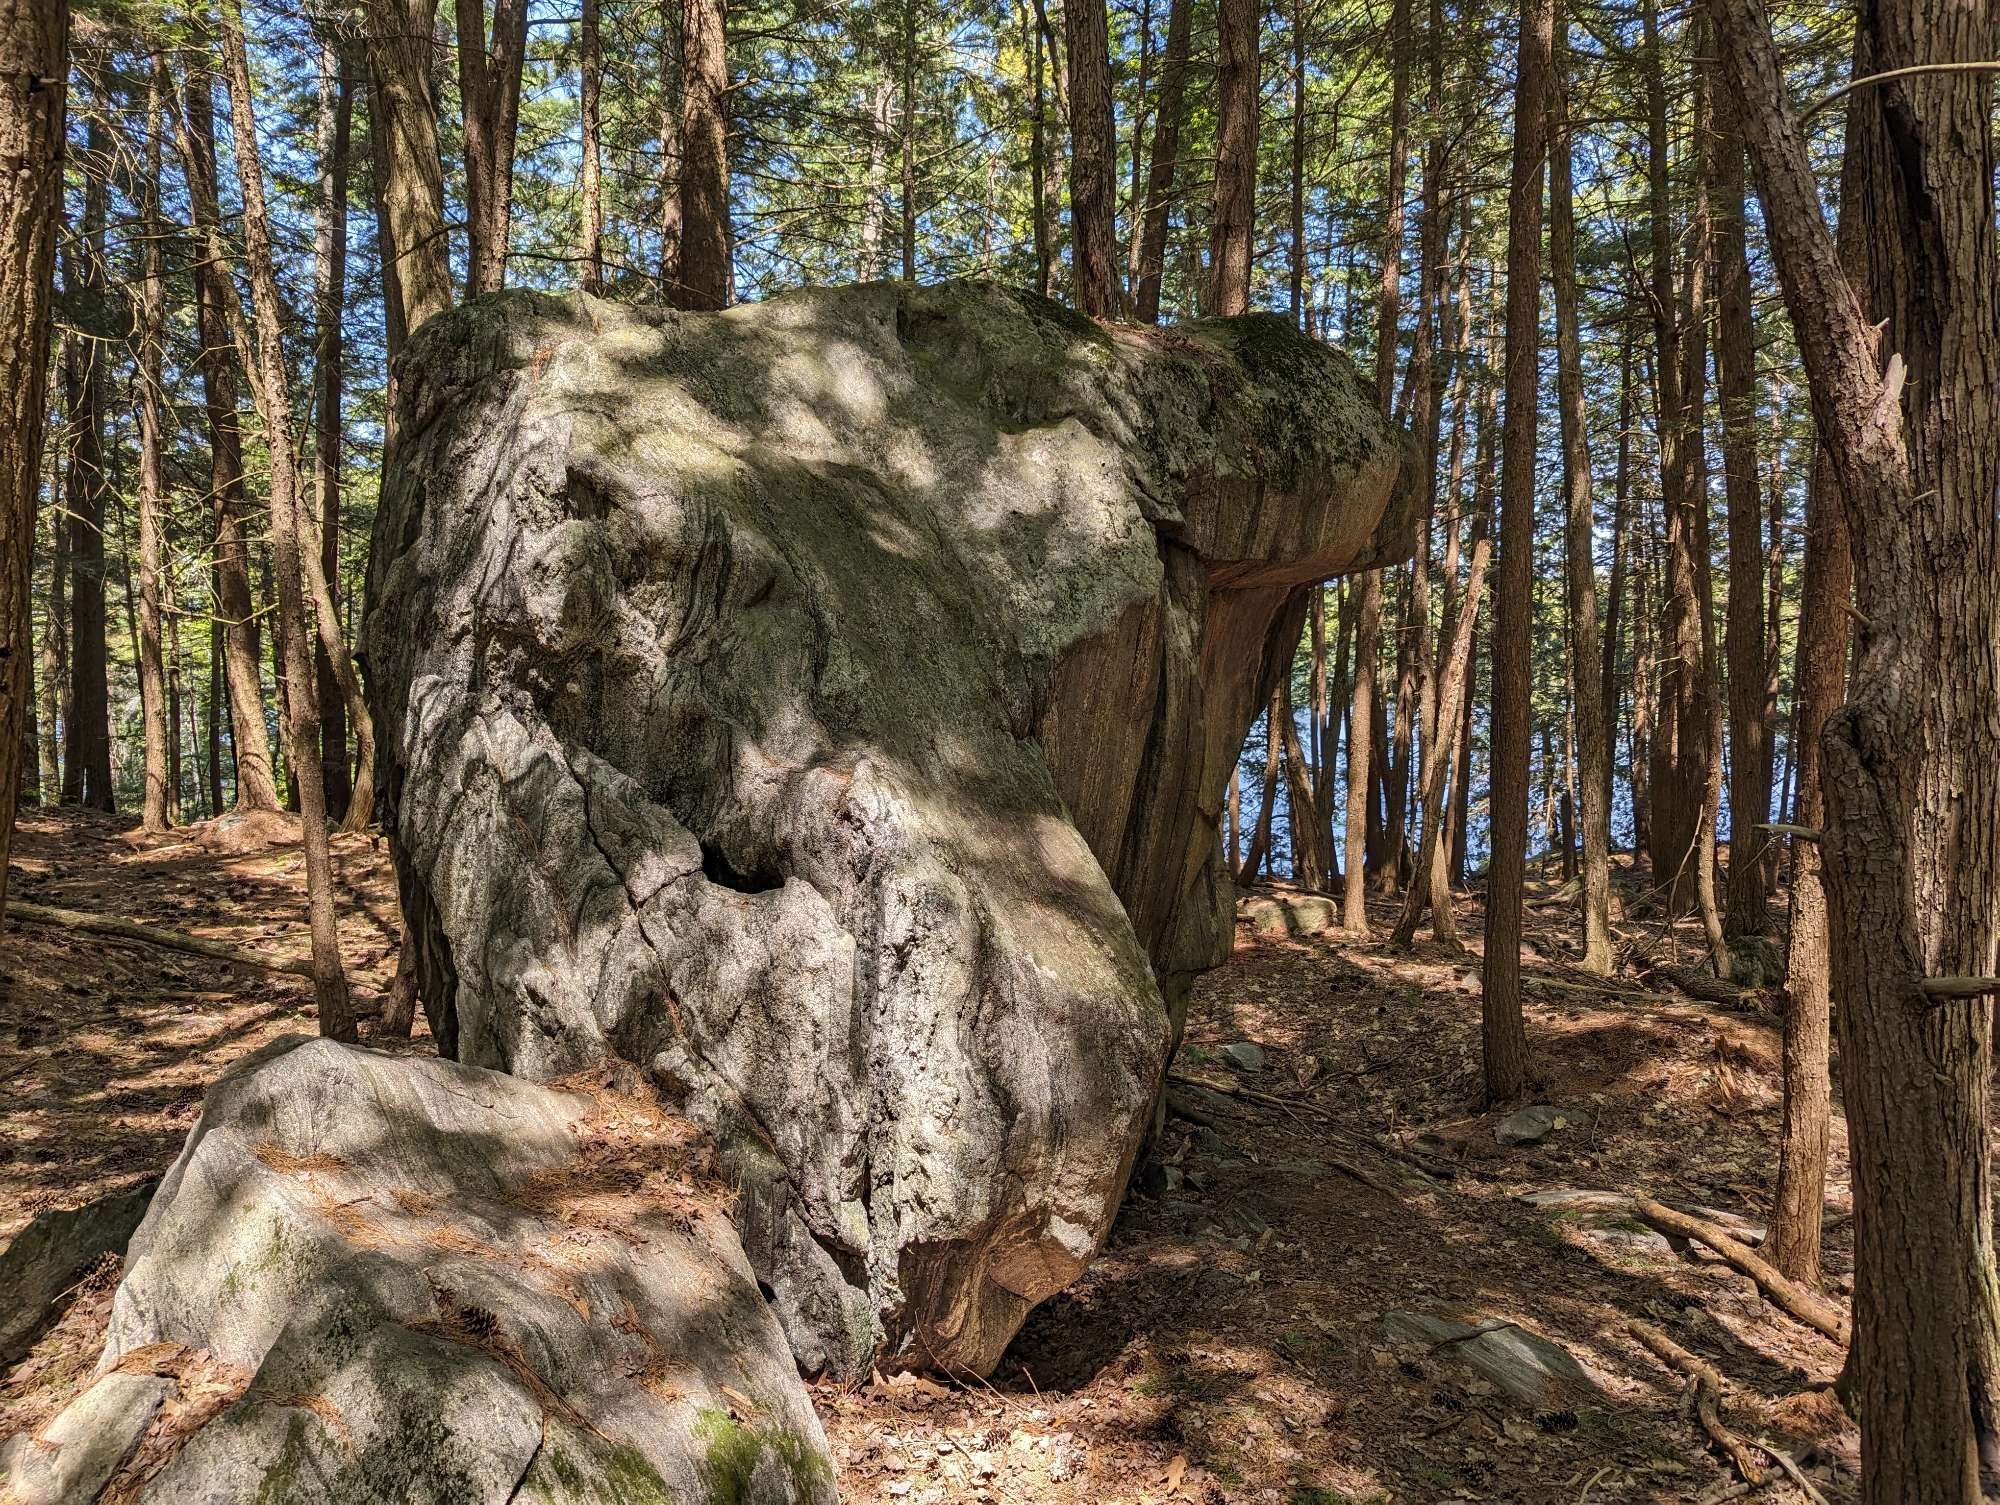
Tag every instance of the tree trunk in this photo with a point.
(1093, 164)
(36, 37)
(1912, 763)
(1232, 224)
(489, 87)
(1309, 864)
(256, 779)
(703, 278)
(1506, 1043)
(1360, 749)
(409, 186)
(1743, 634)
(336, 115)
(1679, 742)
(1163, 163)
(87, 765)
(590, 176)
(1260, 838)
(1579, 532)
(158, 727)
(288, 530)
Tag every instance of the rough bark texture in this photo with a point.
(36, 35)
(1912, 761)
(87, 760)
(1093, 161)
(489, 90)
(420, 1282)
(242, 653)
(1162, 165)
(1579, 556)
(409, 187)
(1505, 1040)
(830, 705)
(1233, 224)
(702, 273)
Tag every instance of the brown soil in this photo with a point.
(1229, 1345)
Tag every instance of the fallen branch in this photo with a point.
(1809, 1307)
(1793, 1471)
(171, 940)
(1707, 1398)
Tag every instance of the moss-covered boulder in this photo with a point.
(828, 705)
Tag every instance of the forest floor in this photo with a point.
(1252, 1331)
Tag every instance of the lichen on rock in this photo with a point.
(828, 706)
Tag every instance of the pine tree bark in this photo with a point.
(288, 535)
(242, 650)
(702, 278)
(1232, 225)
(1093, 161)
(35, 35)
(87, 761)
(157, 727)
(489, 87)
(1579, 533)
(336, 118)
(1360, 749)
(1505, 1039)
(1911, 770)
(1163, 163)
(1260, 838)
(1743, 632)
(409, 187)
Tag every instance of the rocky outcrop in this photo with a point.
(370, 1278)
(828, 705)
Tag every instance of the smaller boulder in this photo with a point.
(74, 1456)
(1524, 1364)
(422, 1282)
(1530, 1125)
(48, 1257)
(1244, 1055)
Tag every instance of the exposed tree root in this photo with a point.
(1707, 1382)
(1814, 1310)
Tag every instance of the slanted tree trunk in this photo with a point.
(36, 37)
(1163, 164)
(590, 177)
(1452, 694)
(159, 795)
(1579, 531)
(1232, 225)
(1912, 763)
(1309, 861)
(1260, 839)
(1506, 1042)
(288, 533)
(489, 88)
(703, 277)
(1093, 161)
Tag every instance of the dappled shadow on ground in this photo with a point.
(107, 1045)
(1229, 1343)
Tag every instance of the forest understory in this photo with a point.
(1262, 1324)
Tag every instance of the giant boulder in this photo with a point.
(829, 705)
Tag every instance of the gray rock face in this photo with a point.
(434, 1283)
(828, 705)
(46, 1258)
(1530, 1125)
(1526, 1365)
